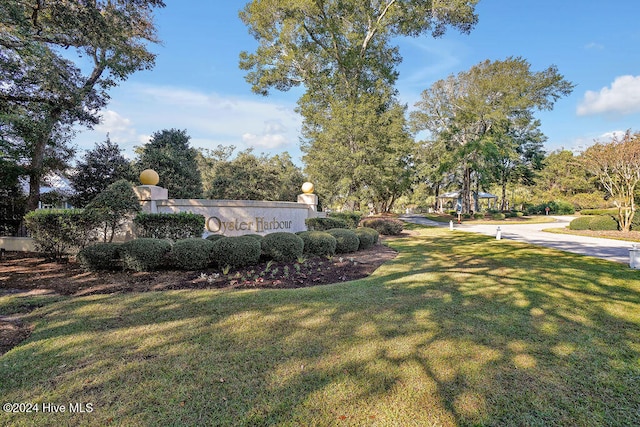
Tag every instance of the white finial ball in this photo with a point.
(307, 188)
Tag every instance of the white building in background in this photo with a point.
(52, 183)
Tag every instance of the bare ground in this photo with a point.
(31, 274)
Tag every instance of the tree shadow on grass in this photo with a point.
(454, 331)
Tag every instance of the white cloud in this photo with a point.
(580, 144)
(623, 97)
(594, 46)
(209, 118)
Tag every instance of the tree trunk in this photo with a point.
(466, 190)
(503, 204)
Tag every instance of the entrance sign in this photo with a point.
(235, 217)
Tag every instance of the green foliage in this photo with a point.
(100, 256)
(498, 216)
(386, 226)
(98, 169)
(53, 88)
(356, 142)
(611, 212)
(603, 223)
(144, 254)
(238, 251)
(346, 240)
(192, 254)
(318, 243)
(500, 140)
(173, 226)
(57, 232)
(169, 154)
(214, 237)
(282, 246)
(113, 207)
(635, 222)
(556, 207)
(365, 237)
(324, 224)
(373, 232)
(478, 215)
(258, 237)
(351, 218)
(251, 177)
(580, 223)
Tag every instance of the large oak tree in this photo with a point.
(343, 54)
(58, 59)
(487, 114)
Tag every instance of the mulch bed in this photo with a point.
(31, 274)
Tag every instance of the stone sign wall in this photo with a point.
(234, 217)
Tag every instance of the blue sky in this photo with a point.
(196, 84)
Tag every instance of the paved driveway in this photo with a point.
(612, 250)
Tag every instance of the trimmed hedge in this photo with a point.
(373, 233)
(237, 251)
(580, 223)
(351, 218)
(214, 237)
(192, 254)
(556, 207)
(603, 222)
(318, 243)
(101, 256)
(144, 254)
(57, 232)
(346, 240)
(386, 226)
(612, 212)
(365, 237)
(282, 246)
(324, 224)
(498, 216)
(595, 223)
(174, 226)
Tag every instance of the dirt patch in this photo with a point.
(30, 272)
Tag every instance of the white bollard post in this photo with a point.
(634, 257)
(498, 233)
(451, 225)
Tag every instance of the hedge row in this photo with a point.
(594, 222)
(147, 254)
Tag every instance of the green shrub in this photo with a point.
(351, 218)
(478, 215)
(57, 232)
(519, 214)
(635, 222)
(192, 254)
(113, 207)
(214, 237)
(318, 243)
(237, 251)
(324, 224)
(603, 223)
(365, 237)
(386, 226)
(612, 212)
(100, 256)
(557, 207)
(144, 254)
(373, 233)
(258, 237)
(498, 216)
(580, 223)
(466, 216)
(346, 240)
(174, 226)
(282, 246)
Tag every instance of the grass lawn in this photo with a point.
(459, 329)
